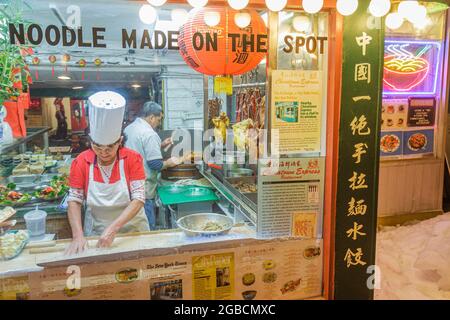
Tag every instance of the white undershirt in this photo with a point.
(106, 171)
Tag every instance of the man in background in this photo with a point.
(142, 137)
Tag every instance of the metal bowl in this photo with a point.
(192, 224)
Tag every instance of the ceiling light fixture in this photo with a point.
(148, 14)
(346, 7)
(238, 4)
(312, 6)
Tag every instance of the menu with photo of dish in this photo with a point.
(281, 270)
(400, 124)
(418, 142)
(391, 143)
(394, 113)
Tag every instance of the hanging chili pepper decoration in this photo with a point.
(28, 78)
(98, 62)
(16, 78)
(66, 59)
(82, 63)
(52, 60)
(35, 62)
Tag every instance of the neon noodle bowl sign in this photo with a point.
(408, 66)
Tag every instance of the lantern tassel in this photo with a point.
(82, 75)
(98, 75)
(36, 75)
(53, 71)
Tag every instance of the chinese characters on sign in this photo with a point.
(358, 155)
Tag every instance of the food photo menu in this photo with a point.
(407, 127)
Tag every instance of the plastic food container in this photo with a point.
(36, 223)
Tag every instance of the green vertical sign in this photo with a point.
(358, 164)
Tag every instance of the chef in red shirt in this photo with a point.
(108, 178)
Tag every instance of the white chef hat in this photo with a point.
(106, 111)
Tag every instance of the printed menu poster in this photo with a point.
(104, 281)
(282, 270)
(213, 276)
(394, 114)
(391, 143)
(16, 288)
(297, 183)
(169, 277)
(421, 112)
(418, 142)
(296, 110)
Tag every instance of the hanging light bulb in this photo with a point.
(301, 23)
(265, 18)
(346, 7)
(379, 8)
(148, 14)
(157, 3)
(406, 8)
(212, 18)
(238, 4)
(394, 20)
(242, 19)
(418, 15)
(312, 6)
(423, 23)
(198, 3)
(276, 5)
(179, 16)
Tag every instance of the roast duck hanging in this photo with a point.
(221, 123)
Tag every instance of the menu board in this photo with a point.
(296, 110)
(16, 288)
(297, 183)
(421, 112)
(407, 127)
(279, 270)
(110, 280)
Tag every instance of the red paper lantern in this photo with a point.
(52, 60)
(35, 62)
(66, 59)
(98, 62)
(219, 50)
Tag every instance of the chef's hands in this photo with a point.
(107, 238)
(166, 143)
(172, 162)
(78, 245)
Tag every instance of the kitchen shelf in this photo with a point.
(230, 195)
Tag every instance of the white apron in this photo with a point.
(105, 202)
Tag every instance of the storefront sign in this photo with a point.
(421, 112)
(296, 110)
(297, 184)
(357, 193)
(64, 36)
(311, 44)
